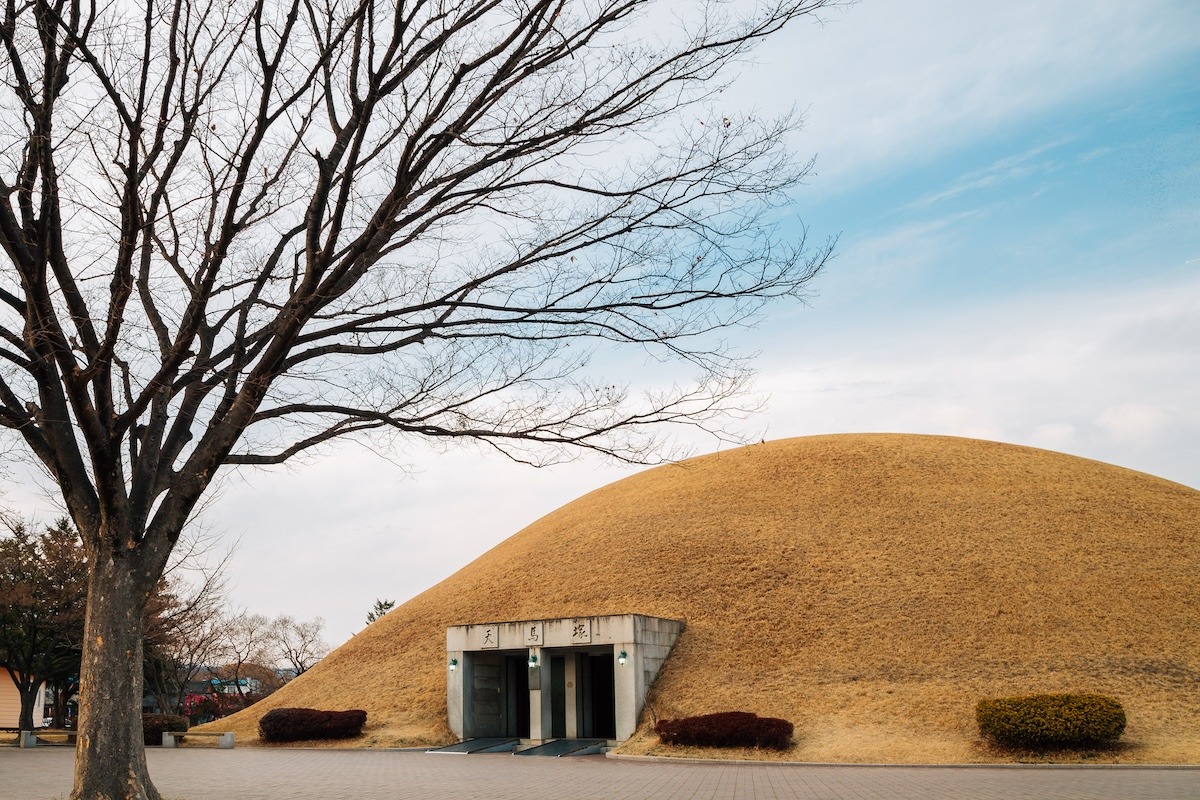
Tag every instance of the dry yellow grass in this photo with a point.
(870, 588)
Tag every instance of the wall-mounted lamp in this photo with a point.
(453, 664)
(532, 661)
(622, 657)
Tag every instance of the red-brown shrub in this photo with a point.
(727, 729)
(154, 725)
(298, 724)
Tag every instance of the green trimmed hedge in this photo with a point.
(1051, 721)
(726, 729)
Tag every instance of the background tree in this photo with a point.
(65, 570)
(42, 580)
(298, 644)
(247, 649)
(42, 588)
(185, 622)
(380, 608)
(237, 231)
(176, 657)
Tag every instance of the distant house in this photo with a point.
(10, 703)
(241, 686)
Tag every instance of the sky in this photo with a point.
(1016, 191)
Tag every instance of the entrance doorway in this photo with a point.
(500, 695)
(599, 715)
(558, 697)
(583, 703)
(596, 698)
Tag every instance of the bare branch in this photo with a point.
(234, 232)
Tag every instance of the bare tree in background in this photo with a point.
(185, 620)
(234, 231)
(298, 644)
(247, 644)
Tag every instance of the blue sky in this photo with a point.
(1017, 191)
(1028, 276)
(1080, 192)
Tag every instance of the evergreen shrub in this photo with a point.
(1051, 721)
(727, 729)
(298, 724)
(155, 725)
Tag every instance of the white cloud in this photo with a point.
(1059, 436)
(1015, 167)
(1133, 423)
(329, 537)
(1112, 375)
(889, 263)
(904, 81)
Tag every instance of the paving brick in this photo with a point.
(260, 774)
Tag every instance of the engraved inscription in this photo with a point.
(581, 631)
(491, 637)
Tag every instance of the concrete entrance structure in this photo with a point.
(573, 678)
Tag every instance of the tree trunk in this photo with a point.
(28, 701)
(28, 687)
(62, 694)
(110, 760)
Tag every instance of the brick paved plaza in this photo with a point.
(254, 774)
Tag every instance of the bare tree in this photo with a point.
(185, 620)
(247, 644)
(179, 655)
(237, 230)
(298, 644)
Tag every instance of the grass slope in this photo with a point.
(870, 588)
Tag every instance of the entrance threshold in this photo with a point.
(481, 745)
(565, 747)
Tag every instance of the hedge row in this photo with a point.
(1051, 721)
(727, 729)
(298, 724)
(155, 725)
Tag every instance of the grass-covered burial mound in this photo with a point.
(870, 589)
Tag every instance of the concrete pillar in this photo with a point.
(571, 681)
(539, 697)
(625, 679)
(455, 706)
